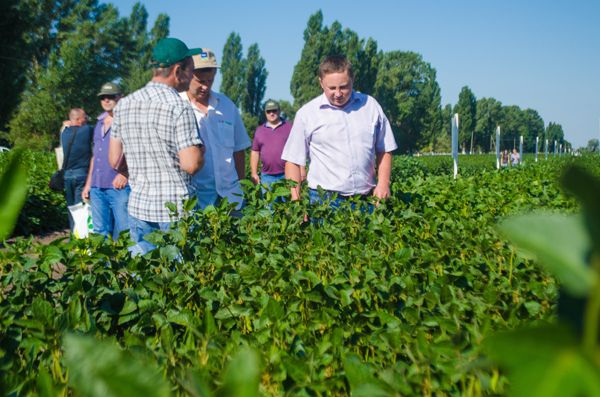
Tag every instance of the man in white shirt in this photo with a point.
(344, 135)
(223, 134)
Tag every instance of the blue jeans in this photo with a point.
(109, 210)
(139, 229)
(74, 183)
(267, 180)
(315, 198)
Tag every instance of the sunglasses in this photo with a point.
(109, 97)
(272, 111)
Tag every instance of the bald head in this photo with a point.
(77, 117)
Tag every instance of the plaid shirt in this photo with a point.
(154, 124)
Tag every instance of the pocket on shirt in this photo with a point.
(368, 135)
(225, 134)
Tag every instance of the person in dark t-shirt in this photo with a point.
(76, 161)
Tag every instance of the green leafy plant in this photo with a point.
(13, 188)
(562, 359)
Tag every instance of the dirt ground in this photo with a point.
(46, 238)
(50, 237)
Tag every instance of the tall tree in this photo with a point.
(137, 71)
(407, 90)
(304, 85)
(444, 141)
(28, 32)
(534, 127)
(367, 65)
(89, 51)
(321, 41)
(489, 116)
(256, 80)
(512, 126)
(554, 132)
(593, 145)
(233, 76)
(467, 116)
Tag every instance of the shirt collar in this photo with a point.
(281, 122)
(324, 102)
(103, 116)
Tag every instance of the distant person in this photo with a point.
(157, 133)
(346, 138)
(515, 157)
(504, 158)
(76, 141)
(267, 146)
(223, 133)
(107, 188)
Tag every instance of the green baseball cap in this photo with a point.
(271, 105)
(110, 89)
(169, 51)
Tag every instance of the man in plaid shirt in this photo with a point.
(157, 132)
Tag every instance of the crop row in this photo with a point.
(394, 302)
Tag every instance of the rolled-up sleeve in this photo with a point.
(186, 130)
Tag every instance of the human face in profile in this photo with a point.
(337, 87)
(184, 74)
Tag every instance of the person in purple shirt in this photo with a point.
(107, 188)
(268, 143)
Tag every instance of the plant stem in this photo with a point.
(592, 311)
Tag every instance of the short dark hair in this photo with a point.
(166, 71)
(335, 64)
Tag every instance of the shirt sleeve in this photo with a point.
(385, 136)
(296, 147)
(115, 125)
(241, 138)
(256, 144)
(186, 130)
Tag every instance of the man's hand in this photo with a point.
(85, 193)
(119, 182)
(255, 178)
(381, 192)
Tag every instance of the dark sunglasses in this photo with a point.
(272, 111)
(111, 97)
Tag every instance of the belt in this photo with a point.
(329, 193)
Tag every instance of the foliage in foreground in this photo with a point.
(561, 359)
(397, 302)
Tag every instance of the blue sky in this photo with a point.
(543, 55)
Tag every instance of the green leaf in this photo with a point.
(242, 376)
(561, 244)
(101, 369)
(586, 187)
(544, 362)
(13, 191)
(361, 379)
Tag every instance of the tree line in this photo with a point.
(67, 49)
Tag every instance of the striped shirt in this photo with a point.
(154, 124)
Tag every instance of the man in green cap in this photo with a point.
(156, 131)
